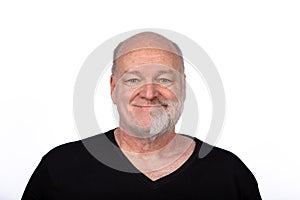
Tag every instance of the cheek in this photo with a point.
(122, 100)
(178, 92)
(172, 93)
(122, 93)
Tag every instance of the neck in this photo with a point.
(130, 143)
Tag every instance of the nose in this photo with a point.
(149, 91)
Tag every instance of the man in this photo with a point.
(143, 158)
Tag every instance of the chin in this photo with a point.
(139, 131)
(154, 124)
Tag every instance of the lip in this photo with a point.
(150, 106)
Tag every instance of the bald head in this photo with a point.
(146, 40)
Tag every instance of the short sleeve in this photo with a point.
(39, 184)
(248, 186)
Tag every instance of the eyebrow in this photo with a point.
(169, 71)
(158, 73)
(132, 72)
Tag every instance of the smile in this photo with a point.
(150, 106)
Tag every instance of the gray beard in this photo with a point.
(162, 121)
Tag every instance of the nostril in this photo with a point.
(149, 91)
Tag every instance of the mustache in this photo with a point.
(157, 102)
(152, 102)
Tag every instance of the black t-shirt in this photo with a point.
(71, 172)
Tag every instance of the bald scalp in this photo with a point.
(146, 40)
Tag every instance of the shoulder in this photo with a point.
(207, 151)
(64, 153)
(69, 147)
(76, 150)
(226, 168)
(225, 160)
(221, 158)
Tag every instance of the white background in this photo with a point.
(255, 46)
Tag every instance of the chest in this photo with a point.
(156, 168)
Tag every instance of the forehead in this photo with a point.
(137, 58)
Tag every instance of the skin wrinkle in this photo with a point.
(161, 57)
(146, 134)
(146, 40)
(125, 96)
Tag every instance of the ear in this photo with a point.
(112, 88)
(184, 86)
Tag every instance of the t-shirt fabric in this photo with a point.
(71, 171)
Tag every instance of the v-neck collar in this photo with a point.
(145, 179)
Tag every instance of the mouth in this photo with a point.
(151, 106)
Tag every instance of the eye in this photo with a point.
(133, 80)
(164, 80)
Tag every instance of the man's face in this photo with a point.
(148, 89)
